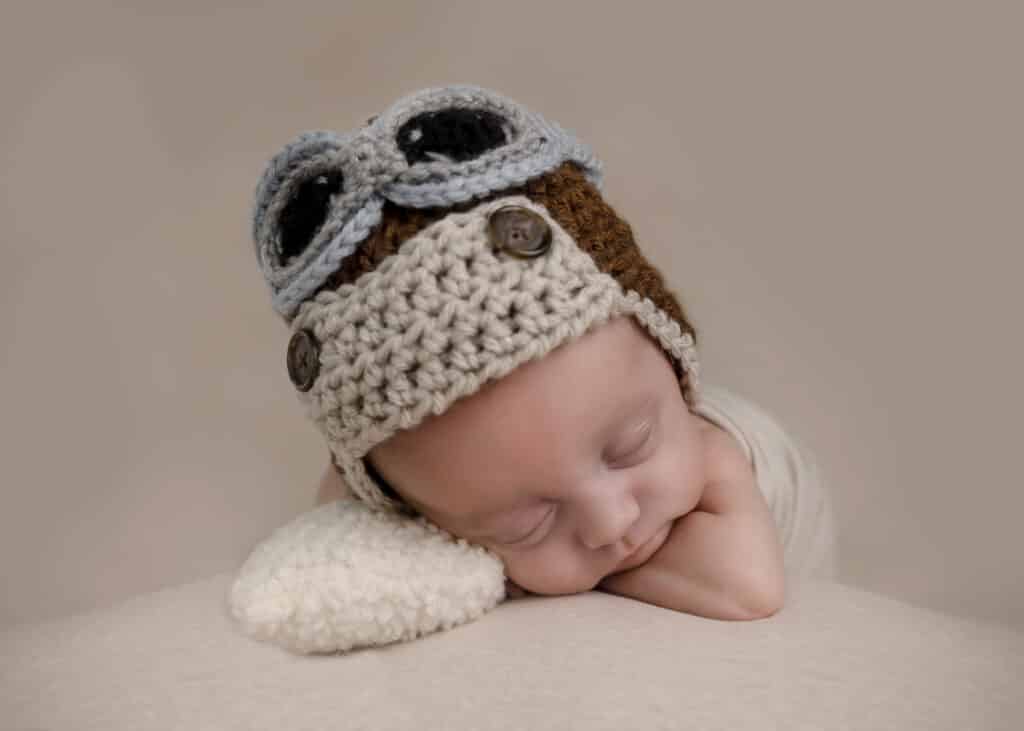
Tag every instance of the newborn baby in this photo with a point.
(484, 347)
(587, 469)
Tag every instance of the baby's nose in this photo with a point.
(606, 519)
(452, 134)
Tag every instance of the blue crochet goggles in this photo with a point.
(322, 194)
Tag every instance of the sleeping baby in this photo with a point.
(484, 347)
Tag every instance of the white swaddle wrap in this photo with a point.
(788, 477)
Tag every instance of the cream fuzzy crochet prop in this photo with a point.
(453, 238)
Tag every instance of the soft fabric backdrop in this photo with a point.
(834, 190)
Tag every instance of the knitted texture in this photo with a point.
(445, 314)
(375, 244)
(344, 576)
(375, 169)
(575, 203)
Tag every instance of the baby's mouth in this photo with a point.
(642, 553)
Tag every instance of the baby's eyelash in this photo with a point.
(648, 433)
(525, 538)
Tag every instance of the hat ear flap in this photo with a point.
(293, 197)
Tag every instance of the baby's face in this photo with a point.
(570, 468)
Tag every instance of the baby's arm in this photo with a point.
(723, 559)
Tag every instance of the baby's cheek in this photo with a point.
(550, 572)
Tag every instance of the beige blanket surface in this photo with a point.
(833, 658)
(789, 478)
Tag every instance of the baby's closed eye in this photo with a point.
(529, 530)
(632, 447)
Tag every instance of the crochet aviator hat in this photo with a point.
(454, 237)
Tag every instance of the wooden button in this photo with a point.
(303, 359)
(519, 232)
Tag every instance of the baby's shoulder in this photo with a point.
(724, 457)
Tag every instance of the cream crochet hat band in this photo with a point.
(506, 262)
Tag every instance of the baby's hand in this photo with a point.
(723, 559)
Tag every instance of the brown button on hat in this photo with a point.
(303, 360)
(519, 232)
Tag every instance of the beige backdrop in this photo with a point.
(835, 191)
